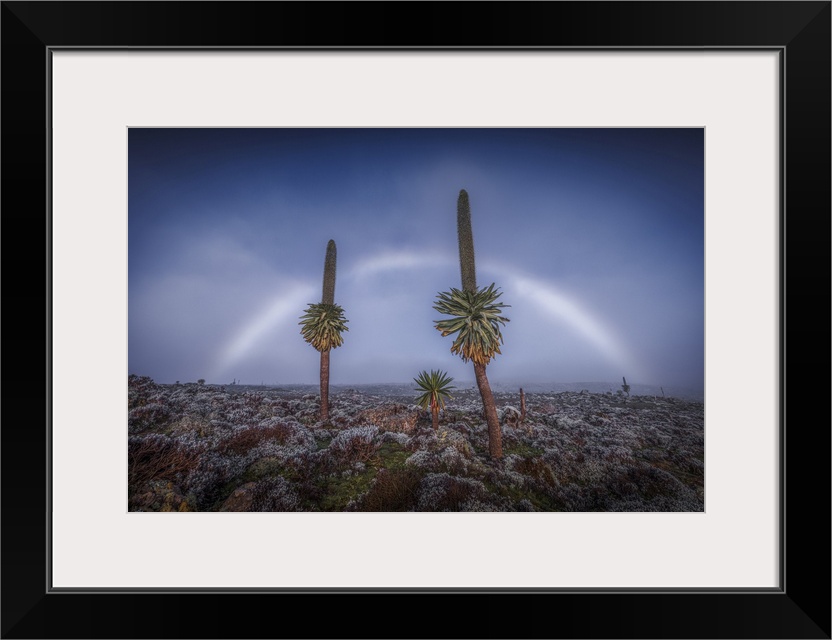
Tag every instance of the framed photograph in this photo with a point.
(602, 273)
(712, 120)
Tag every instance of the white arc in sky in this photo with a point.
(539, 293)
(290, 304)
(580, 319)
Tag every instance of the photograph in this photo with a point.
(416, 305)
(416, 319)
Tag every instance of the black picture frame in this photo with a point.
(800, 608)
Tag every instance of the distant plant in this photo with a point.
(522, 405)
(201, 381)
(323, 323)
(435, 387)
(476, 319)
(625, 387)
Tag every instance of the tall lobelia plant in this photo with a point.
(476, 319)
(323, 323)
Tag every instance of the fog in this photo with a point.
(594, 236)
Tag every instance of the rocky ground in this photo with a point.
(198, 447)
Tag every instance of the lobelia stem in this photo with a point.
(495, 439)
(324, 385)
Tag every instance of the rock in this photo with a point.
(241, 499)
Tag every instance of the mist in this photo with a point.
(594, 236)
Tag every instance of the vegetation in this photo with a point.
(435, 387)
(476, 319)
(243, 448)
(323, 324)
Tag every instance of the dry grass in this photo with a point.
(244, 440)
(159, 458)
(393, 490)
(537, 469)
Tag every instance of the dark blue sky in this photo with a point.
(595, 237)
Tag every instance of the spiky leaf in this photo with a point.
(476, 318)
(436, 387)
(322, 325)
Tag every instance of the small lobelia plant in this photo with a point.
(435, 387)
(476, 318)
(323, 324)
(625, 387)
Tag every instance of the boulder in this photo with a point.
(240, 499)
